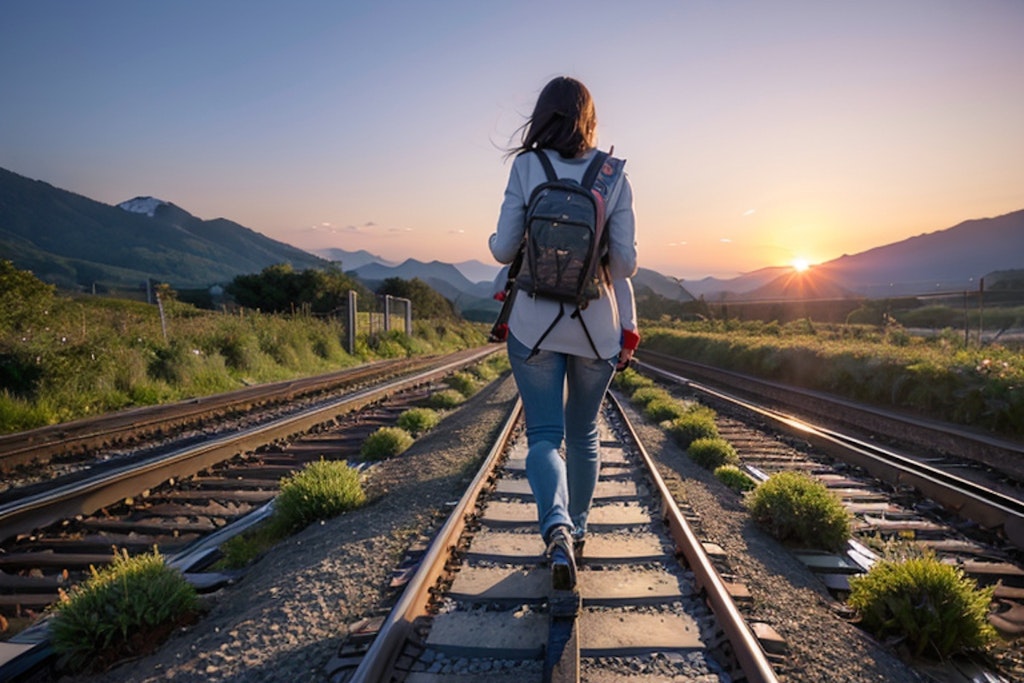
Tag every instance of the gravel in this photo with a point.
(285, 619)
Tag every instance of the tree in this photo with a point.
(280, 289)
(23, 296)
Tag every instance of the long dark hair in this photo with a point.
(563, 120)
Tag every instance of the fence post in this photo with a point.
(981, 311)
(387, 312)
(163, 318)
(351, 327)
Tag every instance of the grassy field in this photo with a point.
(938, 375)
(63, 358)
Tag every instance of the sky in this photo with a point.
(756, 133)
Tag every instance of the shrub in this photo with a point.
(735, 478)
(695, 424)
(238, 551)
(629, 380)
(932, 607)
(416, 421)
(462, 382)
(321, 490)
(119, 611)
(386, 442)
(645, 395)
(713, 452)
(484, 372)
(661, 409)
(795, 508)
(445, 399)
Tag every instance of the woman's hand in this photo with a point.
(625, 356)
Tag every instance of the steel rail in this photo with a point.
(748, 651)
(92, 493)
(378, 663)
(991, 509)
(379, 660)
(26, 446)
(1000, 454)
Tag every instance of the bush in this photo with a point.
(795, 508)
(661, 409)
(321, 490)
(735, 478)
(713, 452)
(416, 421)
(629, 380)
(119, 611)
(445, 399)
(462, 382)
(695, 424)
(645, 395)
(386, 442)
(932, 607)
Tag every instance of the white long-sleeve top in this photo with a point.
(605, 317)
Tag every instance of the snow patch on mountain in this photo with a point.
(144, 205)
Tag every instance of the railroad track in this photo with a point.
(493, 536)
(79, 441)
(480, 608)
(967, 516)
(186, 500)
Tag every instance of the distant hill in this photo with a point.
(350, 260)
(662, 285)
(948, 260)
(445, 278)
(74, 241)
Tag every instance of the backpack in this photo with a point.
(565, 237)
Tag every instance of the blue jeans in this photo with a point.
(561, 395)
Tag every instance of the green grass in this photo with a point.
(711, 453)
(417, 421)
(446, 399)
(119, 611)
(698, 423)
(800, 511)
(938, 376)
(463, 382)
(72, 357)
(321, 490)
(735, 478)
(930, 608)
(385, 443)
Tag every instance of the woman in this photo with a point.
(564, 364)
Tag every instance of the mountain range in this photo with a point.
(75, 242)
(950, 260)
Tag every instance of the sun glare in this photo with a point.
(800, 265)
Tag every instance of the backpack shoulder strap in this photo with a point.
(546, 163)
(607, 175)
(594, 169)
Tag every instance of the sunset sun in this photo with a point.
(800, 265)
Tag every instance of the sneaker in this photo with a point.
(563, 564)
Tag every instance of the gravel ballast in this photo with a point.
(286, 618)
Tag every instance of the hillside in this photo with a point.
(950, 260)
(74, 241)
